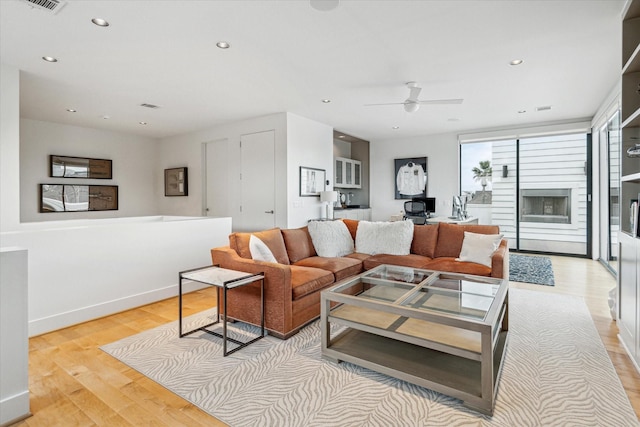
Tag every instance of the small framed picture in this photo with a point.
(176, 182)
(312, 181)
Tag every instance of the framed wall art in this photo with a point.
(410, 177)
(176, 182)
(78, 198)
(79, 167)
(312, 181)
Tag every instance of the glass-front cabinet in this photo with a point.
(348, 173)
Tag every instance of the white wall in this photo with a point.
(309, 143)
(83, 269)
(442, 166)
(134, 168)
(188, 150)
(9, 147)
(298, 142)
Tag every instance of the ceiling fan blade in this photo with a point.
(388, 103)
(440, 101)
(414, 93)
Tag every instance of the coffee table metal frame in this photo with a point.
(237, 278)
(465, 364)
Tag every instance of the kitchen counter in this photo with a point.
(338, 208)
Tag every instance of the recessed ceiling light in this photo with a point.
(100, 22)
(395, 127)
(71, 110)
(522, 111)
(223, 45)
(326, 101)
(49, 59)
(543, 108)
(324, 5)
(142, 123)
(516, 62)
(106, 117)
(453, 119)
(340, 136)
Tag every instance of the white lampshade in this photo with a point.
(328, 196)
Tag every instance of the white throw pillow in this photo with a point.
(393, 238)
(330, 238)
(478, 248)
(260, 251)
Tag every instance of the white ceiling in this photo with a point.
(287, 56)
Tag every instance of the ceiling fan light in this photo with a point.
(411, 107)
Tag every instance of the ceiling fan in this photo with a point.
(412, 103)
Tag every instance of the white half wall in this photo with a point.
(14, 341)
(84, 269)
(134, 168)
(442, 168)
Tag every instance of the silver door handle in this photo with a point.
(268, 212)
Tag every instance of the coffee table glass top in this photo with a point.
(456, 294)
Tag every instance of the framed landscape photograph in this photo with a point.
(312, 181)
(176, 182)
(410, 177)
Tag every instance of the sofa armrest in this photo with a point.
(278, 294)
(500, 261)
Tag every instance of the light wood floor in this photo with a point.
(73, 383)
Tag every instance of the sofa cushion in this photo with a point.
(298, 243)
(425, 238)
(411, 260)
(272, 238)
(260, 251)
(451, 265)
(450, 237)
(478, 248)
(307, 280)
(358, 256)
(330, 238)
(392, 238)
(340, 267)
(352, 226)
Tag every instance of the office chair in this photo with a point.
(416, 211)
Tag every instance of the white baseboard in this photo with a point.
(14, 408)
(633, 360)
(84, 314)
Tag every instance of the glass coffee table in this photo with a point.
(443, 331)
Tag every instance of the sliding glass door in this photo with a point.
(609, 140)
(537, 192)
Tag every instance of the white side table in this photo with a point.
(223, 279)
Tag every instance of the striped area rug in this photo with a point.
(556, 373)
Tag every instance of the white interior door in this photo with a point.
(257, 158)
(216, 202)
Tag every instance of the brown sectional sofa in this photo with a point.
(293, 285)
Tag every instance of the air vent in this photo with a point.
(52, 6)
(545, 108)
(149, 106)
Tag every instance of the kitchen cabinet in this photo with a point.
(348, 173)
(359, 214)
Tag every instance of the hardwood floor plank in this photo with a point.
(74, 383)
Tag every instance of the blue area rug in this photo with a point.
(531, 269)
